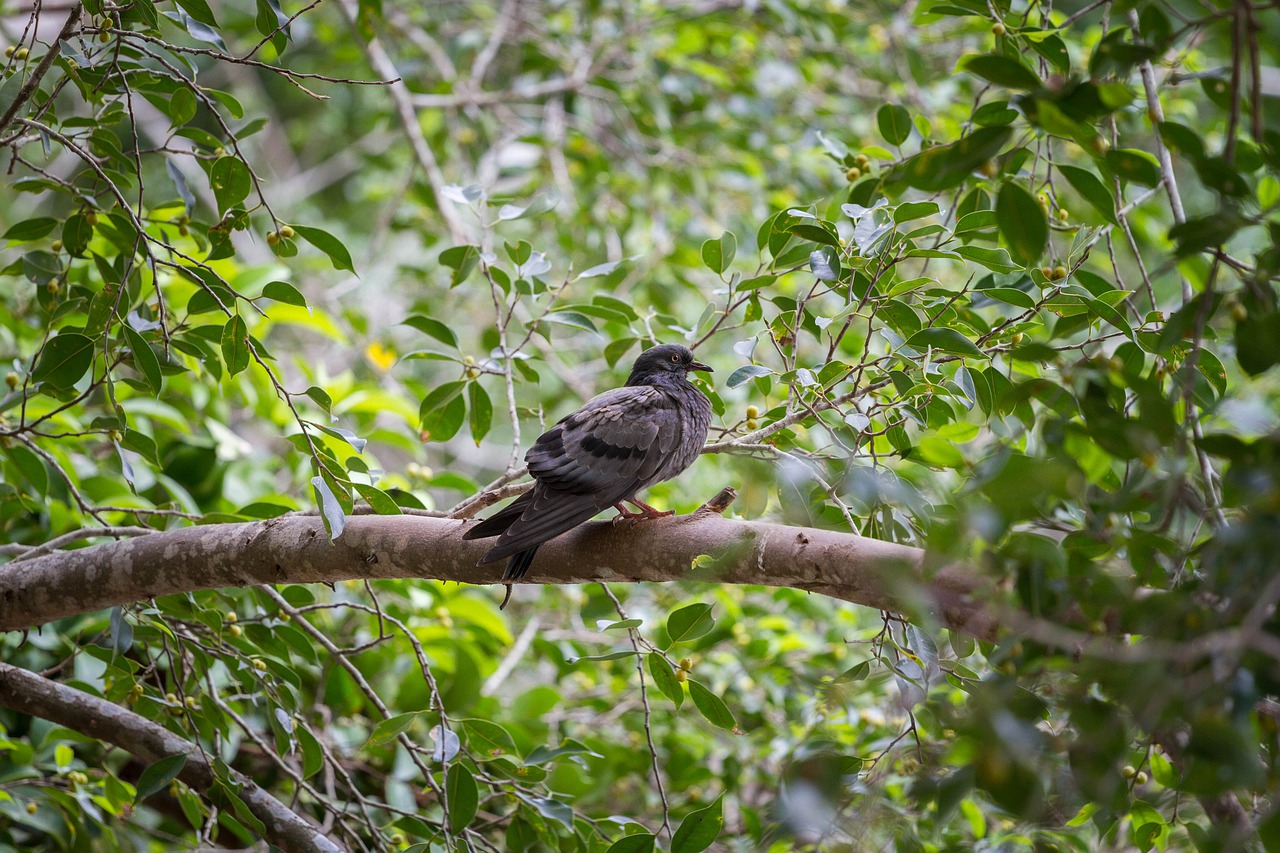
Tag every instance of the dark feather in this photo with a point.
(497, 524)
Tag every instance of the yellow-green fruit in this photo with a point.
(56, 245)
(92, 218)
(189, 701)
(990, 168)
(22, 53)
(232, 617)
(998, 29)
(11, 379)
(284, 617)
(235, 630)
(32, 808)
(1128, 771)
(259, 664)
(286, 232)
(1059, 273)
(682, 675)
(104, 37)
(752, 423)
(852, 174)
(472, 373)
(1238, 312)
(753, 411)
(1017, 338)
(171, 697)
(862, 161)
(1063, 216)
(77, 777)
(1142, 778)
(686, 664)
(468, 360)
(9, 52)
(273, 238)
(1047, 272)
(184, 230)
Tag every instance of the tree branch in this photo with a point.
(46, 62)
(28, 693)
(295, 549)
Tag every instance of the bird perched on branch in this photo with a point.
(617, 444)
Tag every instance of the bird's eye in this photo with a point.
(675, 357)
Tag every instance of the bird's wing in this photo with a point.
(620, 437)
(603, 453)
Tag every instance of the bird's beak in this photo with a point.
(697, 365)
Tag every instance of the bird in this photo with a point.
(618, 443)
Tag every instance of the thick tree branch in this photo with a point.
(28, 693)
(296, 550)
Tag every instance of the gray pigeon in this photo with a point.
(620, 442)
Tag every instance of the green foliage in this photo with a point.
(1036, 335)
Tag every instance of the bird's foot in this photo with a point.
(646, 512)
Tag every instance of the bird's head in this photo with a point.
(664, 359)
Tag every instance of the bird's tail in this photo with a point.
(518, 565)
(497, 524)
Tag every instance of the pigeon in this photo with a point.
(619, 443)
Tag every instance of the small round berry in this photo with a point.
(852, 174)
(286, 232)
(998, 28)
(11, 379)
(753, 411)
(56, 245)
(235, 630)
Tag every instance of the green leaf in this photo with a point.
(462, 260)
(481, 410)
(996, 260)
(490, 737)
(711, 706)
(1134, 165)
(1001, 70)
(312, 754)
(894, 123)
(30, 229)
(944, 340)
(282, 291)
(463, 796)
(745, 373)
(329, 244)
(381, 502)
(64, 360)
(387, 730)
(231, 182)
(235, 345)
(914, 210)
(689, 623)
(199, 10)
(156, 777)
(699, 829)
(76, 234)
(641, 842)
(1022, 223)
(664, 677)
(1092, 190)
(575, 319)
(144, 359)
(718, 254)
(182, 107)
(553, 810)
(945, 166)
(434, 328)
(32, 467)
(121, 631)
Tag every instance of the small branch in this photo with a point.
(28, 693)
(46, 62)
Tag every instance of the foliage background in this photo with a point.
(238, 282)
